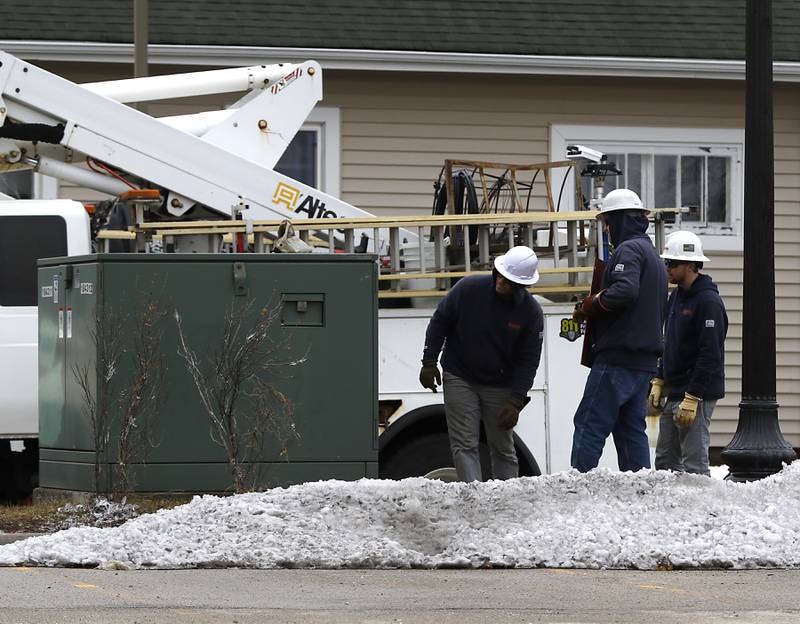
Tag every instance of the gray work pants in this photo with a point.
(466, 405)
(684, 449)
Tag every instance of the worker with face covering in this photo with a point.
(627, 315)
(491, 329)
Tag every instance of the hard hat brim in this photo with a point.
(618, 208)
(501, 269)
(669, 256)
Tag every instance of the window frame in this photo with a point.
(45, 187)
(318, 131)
(649, 137)
(326, 121)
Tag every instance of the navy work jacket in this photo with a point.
(694, 353)
(628, 330)
(487, 339)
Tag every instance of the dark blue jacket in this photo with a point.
(628, 328)
(488, 339)
(694, 353)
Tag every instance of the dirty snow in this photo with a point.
(101, 512)
(603, 519)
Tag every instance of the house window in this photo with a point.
(313, 154)
(697, 169)
(300, 161)
(17, 184)
(25, 184)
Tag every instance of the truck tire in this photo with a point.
(417, 445)
(427, 455)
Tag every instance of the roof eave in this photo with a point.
(397, 60)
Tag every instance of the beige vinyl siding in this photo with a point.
(397, 129)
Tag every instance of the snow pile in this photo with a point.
(101, 512)
(605, 519)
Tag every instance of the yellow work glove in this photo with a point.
(654, 399)
(687, 410)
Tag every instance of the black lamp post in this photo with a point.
(758, 448)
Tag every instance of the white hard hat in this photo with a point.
(684, 246)
(519, 265)
(620, 199)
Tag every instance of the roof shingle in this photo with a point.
(702, 29)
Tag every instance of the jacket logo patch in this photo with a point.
(619, 268)
(687, 312)
(514, 326)
(710, 323)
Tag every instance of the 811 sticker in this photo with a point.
(570, 329)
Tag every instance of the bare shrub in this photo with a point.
(99, 403)
(142, 394)
(247, 363)
(136, 401)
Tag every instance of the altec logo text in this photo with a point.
(290, 196)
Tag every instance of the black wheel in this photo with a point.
(427, 455)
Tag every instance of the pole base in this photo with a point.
(758, 448)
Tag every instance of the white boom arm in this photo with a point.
(191, 84)
(224, 160)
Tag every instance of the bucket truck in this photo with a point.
(212, 165)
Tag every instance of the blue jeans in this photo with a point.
(684, 449)
(613, 403)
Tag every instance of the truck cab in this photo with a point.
(29, 230)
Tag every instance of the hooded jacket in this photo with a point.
(629, 323)
(694, 353)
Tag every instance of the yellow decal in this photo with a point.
(287, 195)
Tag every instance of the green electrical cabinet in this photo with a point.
(325, 337)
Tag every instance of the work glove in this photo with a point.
(429, 375)
(509, 415)
(687, 410)
(587, 308)
(656, 385)
(577, 314)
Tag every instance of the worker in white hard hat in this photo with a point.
(627, 317)
(691, 374)
(490, 329)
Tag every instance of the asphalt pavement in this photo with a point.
(72, 595)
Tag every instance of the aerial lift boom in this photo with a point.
(220, 163)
